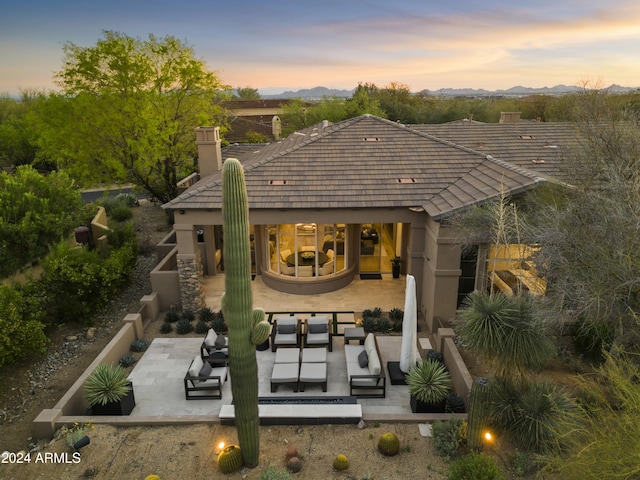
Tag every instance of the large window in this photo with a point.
(510, 269)
(306, 249)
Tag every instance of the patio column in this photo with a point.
(190, 277)
(441, 273)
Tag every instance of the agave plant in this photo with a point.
(106, 384)
(506, 333)
(429, 381)
(531, 415)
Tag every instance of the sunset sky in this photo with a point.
(276, 46)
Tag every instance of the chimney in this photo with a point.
(509, 117)
(276, 127)
(209, 151)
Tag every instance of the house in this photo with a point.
(338, 200)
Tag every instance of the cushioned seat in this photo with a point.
(286, 332)
(214, 342)
(287, 355)
(285, 374)
(313, 373)
(204, 381)
(318, 332)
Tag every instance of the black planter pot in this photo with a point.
(423, 407)
(123, 407)
(395, 271)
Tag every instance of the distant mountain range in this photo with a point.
(317, 93)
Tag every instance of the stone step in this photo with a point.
(296, 414)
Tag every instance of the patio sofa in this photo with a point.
(364, 370)
(204, 380)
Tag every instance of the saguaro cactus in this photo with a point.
(478, 412)
(247, 327)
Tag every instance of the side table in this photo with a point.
(355, 333)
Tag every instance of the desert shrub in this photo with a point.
(121, 213)
(449, 437)
(202, 327)
(127, 360)
(476, 466)
(37, 211)
(454, 403)
(367, 313)
(218, 323)
(188, 315)
(139, 345)
(272, 474)
(21, 332)
(521, 463)
(396, 325)
(369, 324)
(166, 327)
(590, 339)
(120, 235)
(171, 316)
(530, 415)
(206, 315)
(127, 199)
(77, 282)
(432, 354)
(183, 326)
(396, 315)
(384, 326)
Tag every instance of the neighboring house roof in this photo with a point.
(540, 147)
(363, 162)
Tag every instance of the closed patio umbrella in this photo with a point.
(409, 350)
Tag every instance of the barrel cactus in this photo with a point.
(246, 326)
(341, 462)
(230, 459)
(389, 444)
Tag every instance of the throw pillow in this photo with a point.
(221, 341)
(318, 328)
(286, 329)
(205, 370)
(363, 359)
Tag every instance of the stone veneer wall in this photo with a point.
(191, 281)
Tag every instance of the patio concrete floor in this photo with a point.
(158, 376)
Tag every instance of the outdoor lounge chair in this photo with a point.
(318, 332)
(204, 381)
(213, 343)
(286, 332)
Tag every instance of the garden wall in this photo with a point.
(65, 411)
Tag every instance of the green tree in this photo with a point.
(589, 236)
(21, 332)
(128, 110)
(17, 142)
(35, 212)
(247, 93)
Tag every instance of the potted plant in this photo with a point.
(429, 383)
(395, 267)
(108, 391)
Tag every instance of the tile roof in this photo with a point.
(358, 163)
(541, 147)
